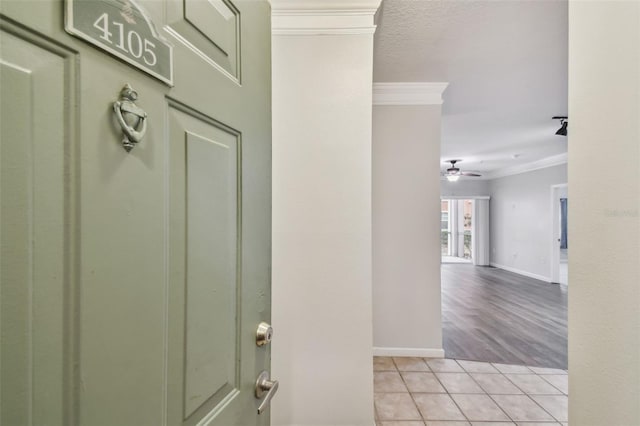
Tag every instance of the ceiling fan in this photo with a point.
(453, 173)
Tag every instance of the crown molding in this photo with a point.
(408, 93)
(554, 160)
(322, 30)
(327, 17)
(319, 5)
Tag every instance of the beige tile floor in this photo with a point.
(447, 392)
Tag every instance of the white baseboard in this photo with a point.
(521, 272)
(415, 352)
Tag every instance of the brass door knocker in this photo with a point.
(132, 118)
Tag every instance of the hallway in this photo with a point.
(497, 316)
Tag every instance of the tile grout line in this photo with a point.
(554, 386)
(534, 401)
(447, 391)
(424, 421)
(544, 409)
(490, 397)
(501, 409)
(376, 417)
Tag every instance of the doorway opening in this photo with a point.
(456, 229)
(491, 314)
(559, 236)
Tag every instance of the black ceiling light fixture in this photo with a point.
(562, 131)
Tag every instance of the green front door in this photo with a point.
(132, 284)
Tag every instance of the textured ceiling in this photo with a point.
(506, 64)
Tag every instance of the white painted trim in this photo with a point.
(555, 233)
(324, 12)
(329, 5)
(417, 93)
(413, 352)
(554, 160)
(309, 18)
(521, 272)
(480, 232)
(323, 31)
(465, 197)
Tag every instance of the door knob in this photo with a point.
(265, 384)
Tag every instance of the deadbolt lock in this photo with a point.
(264, 334)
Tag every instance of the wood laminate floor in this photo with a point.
(497, 316)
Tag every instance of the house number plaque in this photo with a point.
(125, 30)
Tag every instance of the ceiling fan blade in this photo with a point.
(469, 174)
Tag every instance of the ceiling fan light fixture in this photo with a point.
(453, 173)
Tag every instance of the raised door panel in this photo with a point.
(210, 29)
(204, 305)
(211, 287)
(34, 213)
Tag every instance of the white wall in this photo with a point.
(521, 221)
(465, 187)
(406, 230)
(604, 225)
(321, 279)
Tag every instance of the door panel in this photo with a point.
(33, 76)
(133, 284)
(204, 191)
(211, 285)
(211, 29)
